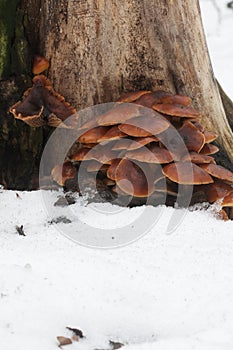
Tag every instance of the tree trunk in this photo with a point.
(99, 49)
(20, 146)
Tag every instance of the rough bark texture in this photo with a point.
(227, 104)
(20, 146)
(100, 48)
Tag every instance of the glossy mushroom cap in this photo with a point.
(120, 114)
(114, 133)
(208, 149)
(99, 153)
(144, 126)
(152, 154)
(218, 171)
(149, 100)
(130, 145)
(197, 158)
(186, 174)
(132, 96)
(193, 138)
(176, 110)
(228, 200)
(218, 190)
(93, 135)
(133, 180)
(176, 100)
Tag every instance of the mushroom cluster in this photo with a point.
(149, 147)
(146, 148)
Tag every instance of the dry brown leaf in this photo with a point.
(63, 341)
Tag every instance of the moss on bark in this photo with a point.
(20, 145)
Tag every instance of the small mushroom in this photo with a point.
(199, 126)
(95, 166)
(208, 149)
(218, 171)
(197, 158)
(109, 182)
(176, 99)
(187, 174)
(99, 153)
(152, 154)
(120, 114)
(114, 133)
(62, 172)
(132, 96)
(131, 145)
(193, 138)
(145, 126)
(228, 200)
(218, 190)
(176, 110)
(81, 154)
(210, 136)
(40, 64)
(149, 100)
(93, 135)
(134, 180)
(111, 172)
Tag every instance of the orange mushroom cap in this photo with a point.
(187, 174)
(93, 135)
(99, 153)
(176, 110)
(218, 190)
(62, 172)
(131, 145)
(132, 96)
(197, 158)
(193, 138)
(210, 136)
(114, 133)
(149, 100)
(176, 99)
(145, 126)
(228, 200)
(134, 181)
(152, 154)
(95, 166)
(111, 172)
(120, 114)
(208, 149)
(218, 171)
(40, 64)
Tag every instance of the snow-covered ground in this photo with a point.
(161, 292)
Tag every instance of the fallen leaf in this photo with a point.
(63, 341)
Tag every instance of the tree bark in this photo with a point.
(99, 49)
(20, 146)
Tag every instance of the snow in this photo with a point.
(217, 20)
(162, 291)
(159, 292)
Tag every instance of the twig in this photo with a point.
(20, 230)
